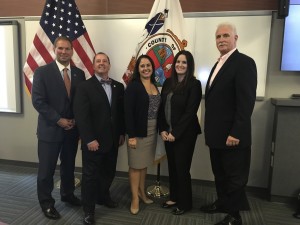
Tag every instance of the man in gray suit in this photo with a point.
(56, 132)
(229, 101)
(99, 113)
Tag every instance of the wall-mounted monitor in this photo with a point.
(10, 76)
(290, 59)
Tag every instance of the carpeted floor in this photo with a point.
(19, 205)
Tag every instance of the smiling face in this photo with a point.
(181, 65)
(63, 51)
(101, 65)
(226, 39)
(145, 69)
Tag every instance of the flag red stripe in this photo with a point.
(87, 38)
(31, 62)
(28, 83)
(42, 50)
(83, 56)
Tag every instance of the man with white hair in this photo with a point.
(229, 101)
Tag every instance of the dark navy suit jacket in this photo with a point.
(50, 99)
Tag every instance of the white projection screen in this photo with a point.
(10, 77)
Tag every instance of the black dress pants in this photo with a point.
(48, 153)
(180, 154)
(98, 172)
(231, 171)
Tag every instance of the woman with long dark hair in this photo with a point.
(142, 100)
(179, 128)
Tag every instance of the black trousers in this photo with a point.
(180, 154)
(231, 171)
(98, 172)
(48, 153)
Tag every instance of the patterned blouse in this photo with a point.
(154, 102)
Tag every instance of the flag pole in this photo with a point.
(77, 183)
(157, 190)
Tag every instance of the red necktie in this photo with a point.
(67, 81)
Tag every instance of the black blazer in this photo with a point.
(136, 106)
(229, 102)
(184, 107)
(95, 117)
(50, 99)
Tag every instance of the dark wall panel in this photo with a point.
(13, 8)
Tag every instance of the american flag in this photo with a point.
(59, 18)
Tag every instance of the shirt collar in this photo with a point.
(226, 56)
(100, 78)
(61, 66)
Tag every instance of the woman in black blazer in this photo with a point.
(141, 103)
(179, 128)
